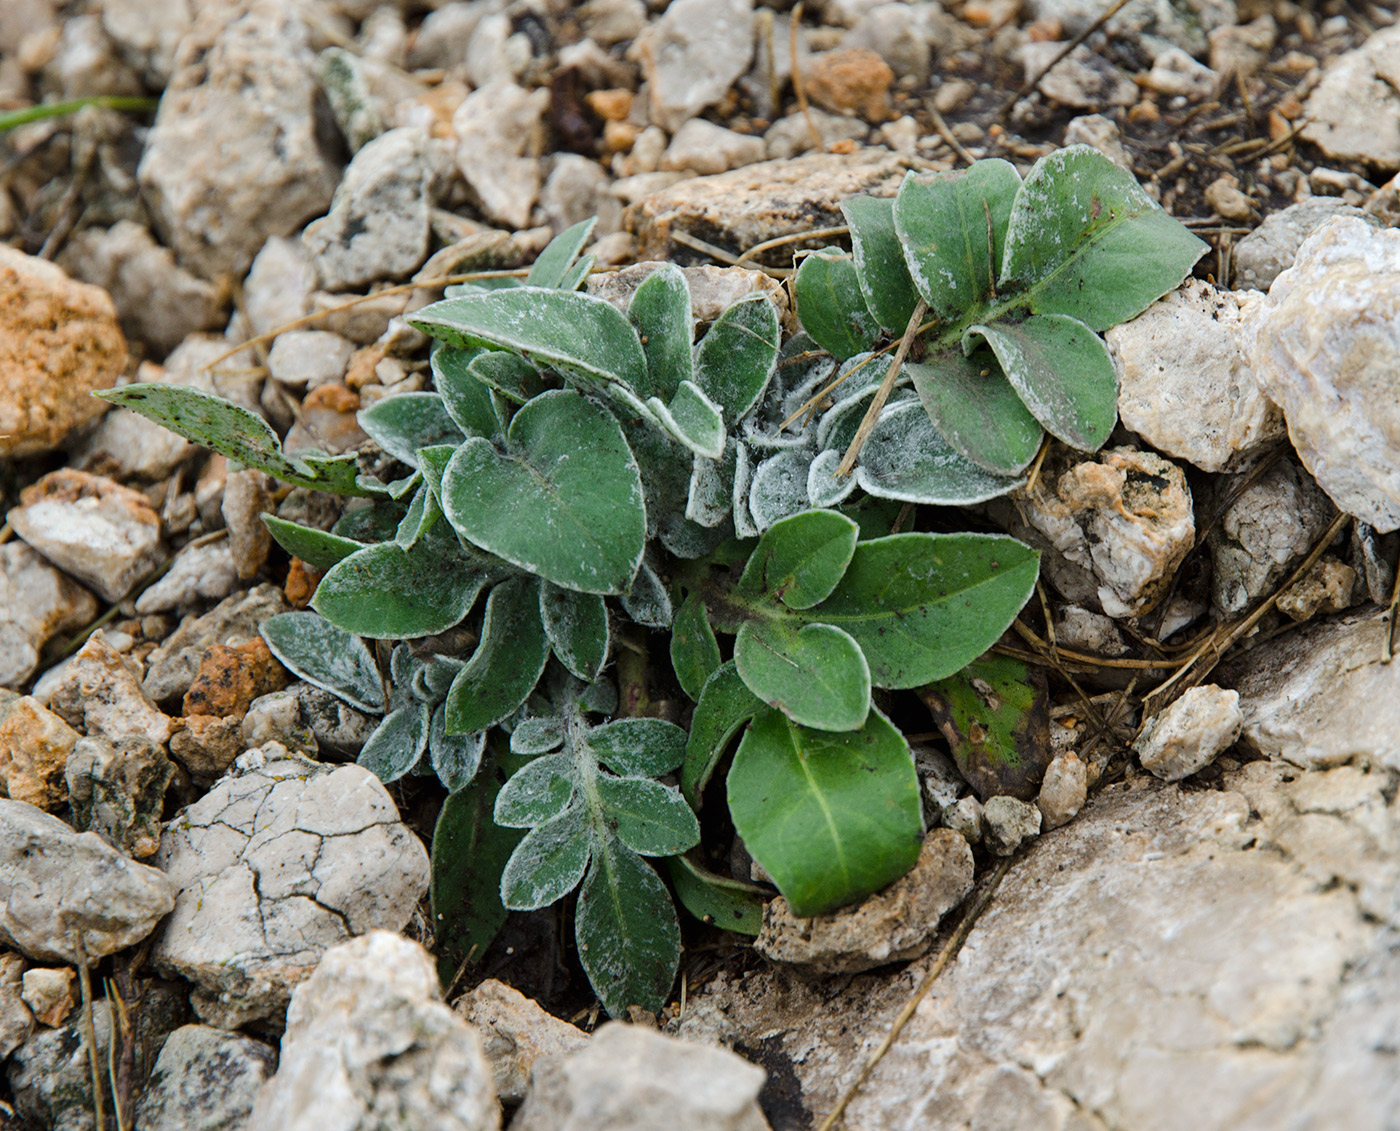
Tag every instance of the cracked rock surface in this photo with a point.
(281, 860)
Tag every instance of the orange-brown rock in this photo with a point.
(302, 580)
(855, 82)
(59, 340)
(207, 745)
(229, 678)
(34, 748)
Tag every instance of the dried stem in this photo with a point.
(882, 394)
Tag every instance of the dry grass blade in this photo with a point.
(1388, 646)
(1031, 83)
(794, 237)
(882, 394)
(99, 1104)
(799, 86)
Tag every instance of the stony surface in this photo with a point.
(64, 890)
(282, 859)
(248, 495)
(37, 602)
(16, 1022)
(1326, 346)
(198, 574)
(171, 668)
(1187, 736)
(1260, 257)
(854, 82)
(515, 1032)
(117, 789)
(630, 1078)
(1008, 824)
(99, 693)
(1354, 112)
(369, 1043)
(205, 1079)
(35, 745)
(703, 147)
(91, 527)
(712, 289)
(307, 358)
(51, 1075)
(1083, 81)
(692, 55)
(498, 132)
(59, 340)
(889, 926)
(1328, 587)
(126, 447)
(1184, 384)
(1063, 791)
(48, 992)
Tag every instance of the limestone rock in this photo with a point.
(260, 903)
(100, 694)
(893, 924)
(1174, 73)
(703, 147)
(16, 1022)
(118, 789)
(37, 602)
(1184, 384)
(1009, 822)
(127, 446)
(51, 1075)
(1102, 134)
(1326, 348)
(1151, 25)
(1187, 736)
(515, 1033)
(48, 993)
(1082, 81)
(91, 527)
(790, 136)
(966, 818)
(307, 358)
(498, 129)
(61, 887)
(59, 340)
(35, 745)
(630, 1078)
(692, 55)
(712, 289)
(1063, 791)
(1242, 49)
(1326, 588)
(1260, 257)
(903, 35)
(196, 575)
(1354, 112)
(171, 668)
(248, 494)
(369, 1043)
(205, 1080)
(236, 154)
(278, 287)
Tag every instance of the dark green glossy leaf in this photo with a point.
(552, 266)
(976, 410)
(397, 744)
(648, 817)
(816, 674)
(832, 306)
(660, 310)
(326, 657)
(737, 357)
(387, 592)
(884, 276)
(717, 900)
(638, 747)
(694, 650)
(319, 549)
(404, 423)
(549, 862)
(577, 626)
(725, 705)
(506, 664)
(800, 559)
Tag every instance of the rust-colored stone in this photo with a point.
(854, 81)
(302, 580)
(230, 678)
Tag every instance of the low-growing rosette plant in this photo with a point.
(586, 474)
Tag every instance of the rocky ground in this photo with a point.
(1198, 923)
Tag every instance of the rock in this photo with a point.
(171, 668)
(100, 694)
(577, 189)
(307, 358)
(1224, 196)
(369, 1043)
(91, 527)
(248, 495)
(59, 340)
(331, 725)
(499, 139)
(126, 446)
(205, 1080)
(16, 1022)
(207, 746)
(379, 223)
(1326, 588)
(258, 904)
(759, 202)
(1187, 736)
(1240, 50)
(277, 718)
(1009, 824)
(712, 289)
(1353, 114)
(118, 791)
(902, 35)
(1152, 24)
(198, 573)
(231, 677)
(629, 1078)
(364, 93)
(703, 147)
(278, 287)
(1063, 791)
(1118, 525)
(613, 21)
(48, 994)
(854, 82)
(1184, 384)
(1082, 81)
(1263, 534)
(892, 925)
(37, 602)
(443, 36)
(35, 745)
(51, 1074)
(692, 55)
(515, 1032)
(1325, 348)
(158, 301)
(495, 53)
(1174, 73)
(147, 33)
(61, 887)
(1321, 696)
(966, 818)
(236, 154)
(1087, 631)
(1272, 247)
(1102, 133)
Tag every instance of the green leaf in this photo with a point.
(1063, 373)
(638, 747)
(725, 705)
(455, 758)
(995, 715)
(694, 650)
(422, 515)
(538, 792)
(625, 926)
(549, 862)
(779, 486)
(432, 464)
(465, 398)
(580, 336)
(403, 423)
(953, 229)
(647, 602)
(375, 522)
(577, 627)
(389, 593)
(576, 275)
(693, 419)
(921, 606)
(737, 357)
(469, 853)
(824, 487)
(326, 657)
(236, 433)
(506, 664)
(649, 818)
(907, 458)
(552, 266)
(816, 675)
(1086, 241)
(565, 500)
(976, 410)
(880, 267)
(660, 310)
(319, 549)
(832, 306)
(509, 375)
(537, 735)
(717, 900)
(397, 743)
(831, 817)
(800, 559)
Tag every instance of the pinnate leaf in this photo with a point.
(800, 559)
(638, 747)
(549, 862)
(385, 591)
(649, 818)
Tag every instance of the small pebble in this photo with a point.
(1010, 823)
(1188, 735)
(1063, 791)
